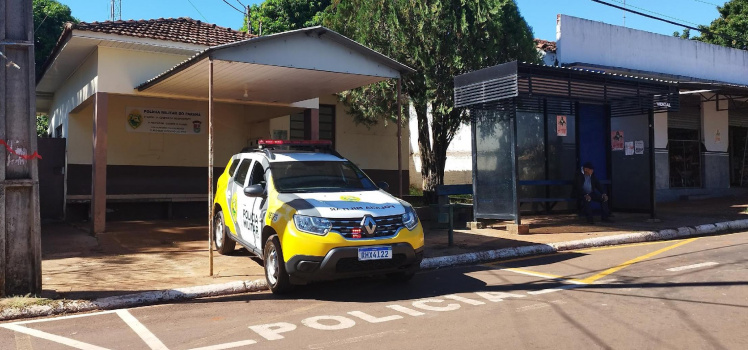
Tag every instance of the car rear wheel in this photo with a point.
(221, 237)
(275, 268)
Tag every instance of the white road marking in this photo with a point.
(149, 338)
(498, 296)
(235, 344)
(530, 273)
(405, 310)
(65, 317)
(464, 300)
(272, 331)
(533, 307)
(341, 323)
(694, 266)
(355, 339)
(52, 337)
(424, 304)
(373, 319)
(551, 290)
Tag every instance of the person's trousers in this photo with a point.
(596, 197)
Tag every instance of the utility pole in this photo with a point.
(249, 24)
(20, 243)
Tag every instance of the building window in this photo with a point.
(684, 150)
(301, 124)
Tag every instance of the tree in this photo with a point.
(731, 28)
(49, 19)
(277, 16)
(440, 39)
(42, 125)
(686, 34)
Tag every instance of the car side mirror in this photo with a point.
(254, 191)
(383, 185)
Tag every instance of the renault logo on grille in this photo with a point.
(369, 225)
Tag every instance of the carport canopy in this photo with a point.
(280, 69)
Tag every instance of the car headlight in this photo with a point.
(312, 224)
(410, 219)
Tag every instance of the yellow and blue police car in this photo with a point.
(312, 215)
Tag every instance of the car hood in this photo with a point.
(339, 205)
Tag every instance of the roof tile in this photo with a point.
(183, 29)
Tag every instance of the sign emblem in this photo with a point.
(134, 119)
(196, 126)
(350, 198)
(369, 225)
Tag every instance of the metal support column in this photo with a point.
(652, 175)
(399, 142)
(20, 242)
(210, 163)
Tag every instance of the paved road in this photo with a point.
(686, 294)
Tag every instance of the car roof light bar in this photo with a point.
(295, 142)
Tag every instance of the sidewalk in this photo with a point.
(145, 256)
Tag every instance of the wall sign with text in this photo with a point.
(164, 121)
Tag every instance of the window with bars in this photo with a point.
(301, 124)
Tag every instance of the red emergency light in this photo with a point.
(356, 232)
(294, 142)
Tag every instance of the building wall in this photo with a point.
(597, 43)
(76, 90)
(121, 70)
(715, 138)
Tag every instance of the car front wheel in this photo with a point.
(275, 268)
(221, 237)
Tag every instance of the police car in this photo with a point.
(310, 214)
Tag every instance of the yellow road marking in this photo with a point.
(600, 275)
(573, 251)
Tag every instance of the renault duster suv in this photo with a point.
(311, 215)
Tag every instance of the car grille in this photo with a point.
(386, 226)
(353, 265)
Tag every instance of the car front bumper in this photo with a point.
(343, 262)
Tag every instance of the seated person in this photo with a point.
(587, 188)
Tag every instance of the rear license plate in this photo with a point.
(374, 253)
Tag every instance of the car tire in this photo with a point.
(275, 268)
(221, 237)
(401, 277)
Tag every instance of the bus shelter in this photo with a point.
(533, 126)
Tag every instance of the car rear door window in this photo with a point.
(240, 178)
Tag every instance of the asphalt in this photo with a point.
(147, 262)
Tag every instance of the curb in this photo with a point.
(238, 287)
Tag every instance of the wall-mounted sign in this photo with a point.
(561, 125)
(629, 146)
(639, 147)
(616, 140)
(164, 121)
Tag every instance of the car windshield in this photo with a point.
(319, 176)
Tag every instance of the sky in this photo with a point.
(539, 14)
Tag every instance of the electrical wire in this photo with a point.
(706, 2)
(198, 11)
(702, 30)
(652, 12)
(240, 3)
(233, 7)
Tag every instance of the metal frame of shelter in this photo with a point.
(495, 95)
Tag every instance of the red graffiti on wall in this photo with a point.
(24, 156)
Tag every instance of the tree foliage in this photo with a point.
(439, 39)
(731, 28)
(42, 125)
(277, 16)
(49, 18)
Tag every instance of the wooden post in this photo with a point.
(20, 242)
(98, 164)
(314, 124)
(210, 162)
